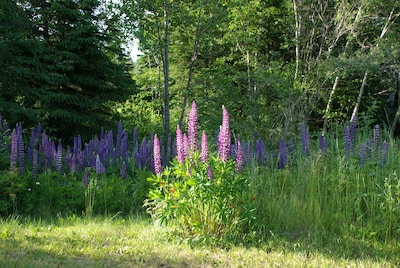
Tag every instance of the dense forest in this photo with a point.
(275, 64)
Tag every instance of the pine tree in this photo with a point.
(73, 81)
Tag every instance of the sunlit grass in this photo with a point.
(136, 242)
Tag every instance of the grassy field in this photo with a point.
(136, 242)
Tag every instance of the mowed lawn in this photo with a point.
(136, 242)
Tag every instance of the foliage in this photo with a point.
(58, 67)
(202, 208)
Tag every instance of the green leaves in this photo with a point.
(200, 208)
(62, 65)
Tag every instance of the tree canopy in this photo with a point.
(275, 64)
(59, 66)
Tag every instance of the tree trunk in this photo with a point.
(357, 106)
(297, 36)
(166, 119)
(191, 68)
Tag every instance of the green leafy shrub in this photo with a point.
(203, 207)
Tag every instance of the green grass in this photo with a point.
(136, 242)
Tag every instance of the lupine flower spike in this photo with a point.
(157, 156)
(283, 154)
(239, 157)
(179, 145)
(204, 147)
(224, 138)
(193, 135)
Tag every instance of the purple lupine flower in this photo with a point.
(260, 152)
(21, 150)
(85, 178)
(377, 137)
(34, 164)
(323, 144)
(157, 156)
(348, 143)
(204, 147)
(179, 145)
(123, 170)
(363, 154)
(283, 154)
(59, 158)
(224, 138)
(14, 150)
(210, 173)
(100, 169)
(239, 157)
(193, 135)
(305, 139)
(383, 153)
(353, 128)
(143, 154)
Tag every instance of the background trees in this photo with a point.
(60, 67)
(275, 64)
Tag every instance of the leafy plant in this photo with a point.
(206, 202)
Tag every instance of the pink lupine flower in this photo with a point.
(179, 145)
(224, 139)
(157, 156)
(193, 135)
(239, 158)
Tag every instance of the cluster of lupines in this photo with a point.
(98, 154)
(373, 149)
(102, 153)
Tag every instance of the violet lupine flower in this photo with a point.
(283, 154)
(123, 170)
(157, 156)
(14, 150)
(193, 135)
(305, 139)
(260, 152)
(348, 143)
(143, 154)
(204, 147)
(179, 145)
(224, 138)
(239, 157)
(59, 158)
(21, 150)
(85, 178)
(383, 153)
(377, 137)
(323, 144)
(100, 169)
(34, 164)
